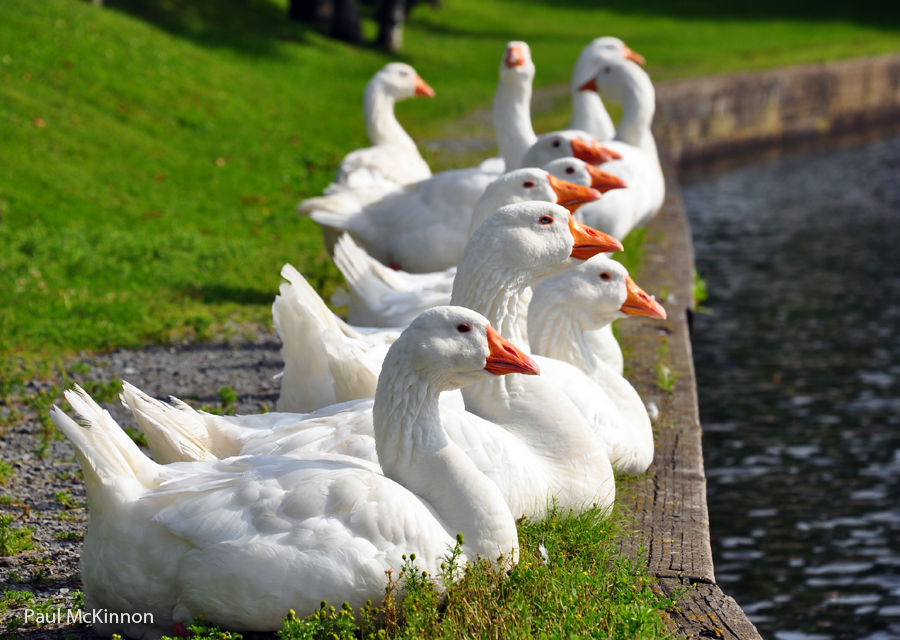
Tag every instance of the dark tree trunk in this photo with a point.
(310, 10)
(391, 14)
(345, 22)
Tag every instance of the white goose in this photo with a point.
(243, 540)
(425, 228)
(512, 109)
(384, 297)
(588, 113)
(534, 443)
(625, 82)
(393, 161)
(565, 311)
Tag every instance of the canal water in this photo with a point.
(798, 373)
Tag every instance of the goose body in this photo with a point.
(393, 161)
(243, 540)
(564, 311)
(530, 439)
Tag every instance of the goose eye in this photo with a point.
(570, 170)
(556, 143)
(607, 70)
(403, 74)
(546, 220)
(605, 276)
(528, 184)
(463, 328)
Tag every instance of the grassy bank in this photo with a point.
(153, 151)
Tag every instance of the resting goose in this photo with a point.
(565, 311)
(384, 297)
(393, 161)
(625, 82)
(425, 227)
(533, 443)
(588, 113)
(242, 541)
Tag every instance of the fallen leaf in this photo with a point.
(220, 162)
(39, 122)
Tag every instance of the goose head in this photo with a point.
(453, 347)
(580, 172)
(517, 64)
(599, 51)
(534, 238)
(401, 81)
(596, 293)
(525, 185)
(564, 144)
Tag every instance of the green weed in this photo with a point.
(6, 472)
(65, 499)
(229, 399)
(700, 293)
(73, 536)
(14, 541)
(14, 599)
(665, 376)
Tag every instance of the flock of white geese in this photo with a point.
(416, 421)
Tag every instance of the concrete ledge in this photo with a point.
(669, 503)
(704, 119)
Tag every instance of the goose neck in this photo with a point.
(553, 332)
(638, 108)
(414, 450)
(588, 111)
(381, 123)
(512, 120)
(483, 285)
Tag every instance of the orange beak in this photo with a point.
(515, 56)
(504, 357)
(602, 181)
(589, 242)
(592, 152)
(638, 303)
(634, 56)
(422, 88)
(571, 196)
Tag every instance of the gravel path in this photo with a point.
(39, 486)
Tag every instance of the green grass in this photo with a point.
(154, 150)
(585, 588)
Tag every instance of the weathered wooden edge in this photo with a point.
(669, 503)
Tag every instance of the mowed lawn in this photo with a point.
(152, 153)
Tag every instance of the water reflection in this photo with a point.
(798, 368)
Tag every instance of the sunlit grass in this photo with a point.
(153, 152)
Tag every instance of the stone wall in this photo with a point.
(707, 118)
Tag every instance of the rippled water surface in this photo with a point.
(798, 368)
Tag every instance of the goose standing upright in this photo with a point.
(623, 81)
(588, 112)
(393, 161)
(241, 541)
